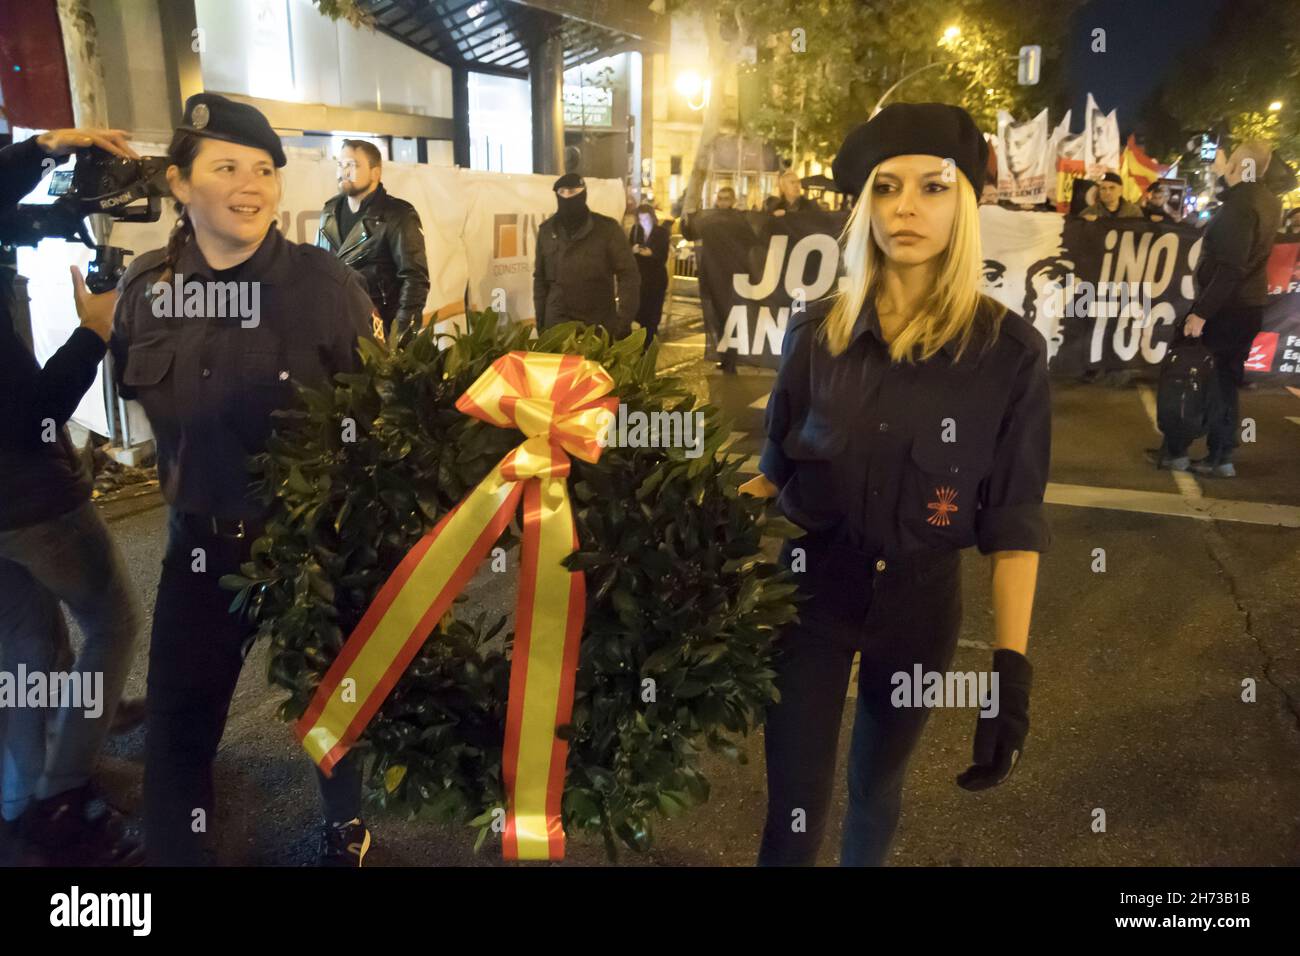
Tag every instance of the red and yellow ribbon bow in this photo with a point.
(559, 403)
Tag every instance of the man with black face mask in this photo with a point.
(580, 254)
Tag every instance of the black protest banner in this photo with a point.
(1105, 295)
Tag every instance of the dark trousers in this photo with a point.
(714, 324)
(1228, 336)
(650, 310)
(195, 656)
(906, 614)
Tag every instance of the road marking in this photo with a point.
(1173, 505)
(691, 341)
(1293, 419)
(732, 439)
(760, 403)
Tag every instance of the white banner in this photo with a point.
(1025, 161)
(1101, 140)
(1022, 255)
(480, 231)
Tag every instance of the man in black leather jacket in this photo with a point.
(379, 236)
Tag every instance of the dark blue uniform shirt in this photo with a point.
(209, 384)
(892, 459)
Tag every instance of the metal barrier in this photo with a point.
(683, 275)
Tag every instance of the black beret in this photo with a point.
(569, 181)
(901, 129)
(1111, 178)
(210, 114)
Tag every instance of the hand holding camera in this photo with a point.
(60, 142)
(95, 311)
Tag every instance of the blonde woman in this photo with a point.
(910, 419)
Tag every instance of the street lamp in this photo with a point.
(952, 33)
(1274, 106)
(689, 84)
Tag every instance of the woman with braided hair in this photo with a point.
(210, 335)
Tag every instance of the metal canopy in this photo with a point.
(493, 36)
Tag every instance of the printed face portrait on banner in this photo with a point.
(1024, 160)
(1101, 150)
(1024, 255)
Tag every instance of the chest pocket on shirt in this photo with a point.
(268, 379)
(146, 375)
(811, 497)
(939, 492)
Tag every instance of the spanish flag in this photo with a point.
(1138, 170)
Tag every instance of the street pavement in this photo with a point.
(1141, 750)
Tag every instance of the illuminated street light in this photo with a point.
(951, 34)
(1274, 106)
(689, 84)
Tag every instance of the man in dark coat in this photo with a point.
(1111, 203)
(379, 236)
(581, 255)
(1232, 290)
(725, 239)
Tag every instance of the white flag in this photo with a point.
(1025, 163)
(1101, 141)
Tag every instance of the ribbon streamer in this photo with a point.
(560, 403)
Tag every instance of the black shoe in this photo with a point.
(130, 715)
(79, 828)
(343, 844)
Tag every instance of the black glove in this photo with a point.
(999, 740)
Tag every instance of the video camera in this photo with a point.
(99, 183)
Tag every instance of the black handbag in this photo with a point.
(1186, 377)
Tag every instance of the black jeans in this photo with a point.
(650, 310)
(1229, 340)
(714, 325)
(909, 613)
(195, 656)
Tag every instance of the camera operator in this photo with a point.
(54, 547)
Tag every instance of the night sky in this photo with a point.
(1144, 40)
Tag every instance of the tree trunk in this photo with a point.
(85, 80)
(722, 56)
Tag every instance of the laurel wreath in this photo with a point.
(682, 606)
